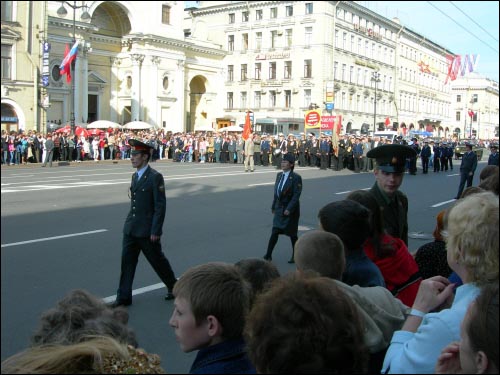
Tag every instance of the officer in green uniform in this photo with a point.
(143, 225)
(389, 171)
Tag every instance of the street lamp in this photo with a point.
(376, 79)
(62, 12)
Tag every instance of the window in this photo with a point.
(243, 99)
(335, 70)
(344, 40)
(244, 16)
(258, 14)
(309, 8)
(230, 100)
(459, 98)
(342, 77)
(165, 83)
(289, 37)
(289, 10)
(288, 70)
(274, 39)
(457, 115)
(56, 73)
(360, 76)
(243, 72)
(352, 43)
(307, 98)
(272, 70)
(165, 15)
(307, 68)
(230, 43)
(230, 73)
(244, 41)
(6, 13)
(308, 36)
(258, 70)
(474, 98)
(272, 98)
(231, 18)
(258, 41)
(274, 12)
(288, 98)
(257, 99)
(6, 61)
(351, 74)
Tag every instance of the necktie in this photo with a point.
(282, 182)
(135, 179)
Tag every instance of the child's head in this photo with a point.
(258, 272)
(211, 302)
(322, 252)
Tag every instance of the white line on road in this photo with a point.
(264, 183)
(137, 291)
(348, 191)
(54, 238)
(443, 203)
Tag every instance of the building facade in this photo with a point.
(202, 68)
(23, 29)
(475, 107)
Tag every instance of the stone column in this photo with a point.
(135, 97)
(151, 90)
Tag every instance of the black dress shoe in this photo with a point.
(267, 257)
(169, 296)
(117, 303)
(291, 261)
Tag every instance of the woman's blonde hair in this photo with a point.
(472, 236)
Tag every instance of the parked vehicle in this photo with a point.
(460, 148)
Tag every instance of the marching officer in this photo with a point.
(144, 225)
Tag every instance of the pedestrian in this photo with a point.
(467, 169)
(493, 158)
(286, 205)
(248, 150)
(143, 225)
(425, 155)
(389, 171)
(49, 148)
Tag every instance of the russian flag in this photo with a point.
(69, 56)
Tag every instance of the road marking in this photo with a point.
(264, 183)
(136, 292)
(54, 238)
(348, 191)
(443, 203)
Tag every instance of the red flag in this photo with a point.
(471, 113)
(248, 127)
(387, 121)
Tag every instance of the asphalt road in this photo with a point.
(61, 230)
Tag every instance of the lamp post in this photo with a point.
(62, 12)
(376, 79)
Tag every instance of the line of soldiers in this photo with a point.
(322, 152)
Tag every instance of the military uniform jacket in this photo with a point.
(288, 199)
(469, 162)
(147, 205)
(394, 212)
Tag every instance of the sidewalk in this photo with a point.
(75, 164)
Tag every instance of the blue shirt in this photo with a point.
(417, 352)
(227, 357)
(360, 270)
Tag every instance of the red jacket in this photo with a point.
(400, 271)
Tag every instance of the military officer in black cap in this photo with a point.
(389, 171)
(143, 225)
(286, 205)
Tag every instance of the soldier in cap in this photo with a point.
(286, 205)
(467, 168)
(493, 158)
(425, 155)
(389, 171)
(143, 225)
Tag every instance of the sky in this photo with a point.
(462, 27)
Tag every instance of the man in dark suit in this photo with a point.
(286, 205)
(389, 171)
(143, 225)
(467, 169)
(493, 158)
